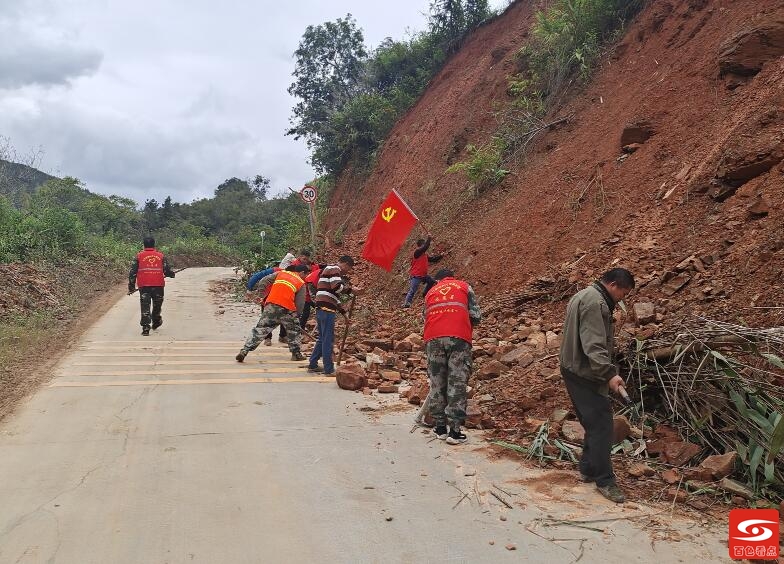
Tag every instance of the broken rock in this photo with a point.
(621, 428)
(383, 344)
(760, 208)
(636, 133)
(418, 392)
(747, 51)
(492, 369)
(644, 312)
(573, 432)
(674, 284)
(671, 476)
(678, 453)
(473, 415)
(720, 465)
(640, 470)
(391, 376)
(734, 488)
(351, 377)
(521, 356)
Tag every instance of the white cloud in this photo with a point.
(34, 53)
(149, 99)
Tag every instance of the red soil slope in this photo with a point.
(576, 197)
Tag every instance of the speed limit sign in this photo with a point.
(308, 194)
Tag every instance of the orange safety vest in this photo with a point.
(446, 311)
(283, 290)
(150, 271)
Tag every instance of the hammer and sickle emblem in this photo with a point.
(388, 213)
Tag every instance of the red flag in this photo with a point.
(390, 229)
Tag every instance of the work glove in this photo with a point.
(131, 289)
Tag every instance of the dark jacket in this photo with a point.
(588, 338)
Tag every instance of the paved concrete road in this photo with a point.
(164, 449)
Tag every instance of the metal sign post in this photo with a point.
(309, 195)
(262, 234)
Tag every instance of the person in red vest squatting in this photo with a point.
(420, 264)
(451, 312)
(148, 272)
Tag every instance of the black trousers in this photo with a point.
(595, 415)
(151, 295)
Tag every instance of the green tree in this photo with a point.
(476, 11)
(329, 66)
(448, 20)
(261, 186)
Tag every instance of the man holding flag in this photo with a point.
(420, 265)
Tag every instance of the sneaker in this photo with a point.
(268, 342)
(157, 323)
(241, 356)
(283, 340)
(315, 369)
(406, 306)
(297, 356)
(146, 331)
(329, 373)
(440, 432)
(612, 492)
(456, 437)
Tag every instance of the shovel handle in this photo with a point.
(624, 394)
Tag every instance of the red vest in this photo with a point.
(285, 286)
(446, 311)
(312, 278)
(150, 271)
(420, 265)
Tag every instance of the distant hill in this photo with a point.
(18, 180)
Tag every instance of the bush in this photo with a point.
(567, 42)
(484, 165)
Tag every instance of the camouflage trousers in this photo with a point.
(147, 296)
(448, 367)
(272, 316)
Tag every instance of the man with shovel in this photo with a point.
(589, 372)
(282, 306)
(332, 284)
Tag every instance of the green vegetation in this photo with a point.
(62, 221)
(484, 166)
(568, 39)
(567, 42)
(349, 97)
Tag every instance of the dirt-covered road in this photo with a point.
(164, 449)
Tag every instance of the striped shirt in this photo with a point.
(330, 285)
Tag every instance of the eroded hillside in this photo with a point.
(696, 87)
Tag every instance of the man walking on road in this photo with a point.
(451, 312)
(419, 267)
(589, 372)
(148, 272)
(331, 285)
(282, 307)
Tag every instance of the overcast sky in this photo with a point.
(168, 97)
